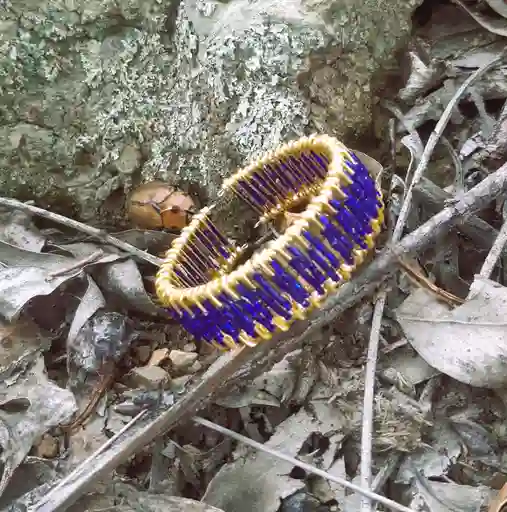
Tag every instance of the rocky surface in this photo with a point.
(99, 95)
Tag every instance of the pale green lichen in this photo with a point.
(190, 89)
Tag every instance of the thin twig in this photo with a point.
(433, 140)
(67, 479)
(369, 396)
(78, 264)
(371, 365)
(422, 281)
(242, 365)
(303, 465)
(84, 228)
(97, 394)
(459, 176)
(386, 471)
(473, 227)
(495, 253)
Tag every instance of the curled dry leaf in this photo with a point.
(497, 26)
(157, 205)
(124, 281)
(27, 274)
(20, 344)
(447, 496)
(468, 343)
(422, 77)
(499, 504)
(17, 228)
(28, 409)
(91, 301)
(500, 6)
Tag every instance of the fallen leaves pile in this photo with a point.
(403, 394)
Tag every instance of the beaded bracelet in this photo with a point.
(227, 304)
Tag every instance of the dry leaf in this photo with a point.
(494, 25)
(468, 343)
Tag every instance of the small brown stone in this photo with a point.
(149, 377)
(48, 448)
(195, 367)
(182, 360)
(158, 357)
(178, 384)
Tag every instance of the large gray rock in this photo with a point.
(97, 95)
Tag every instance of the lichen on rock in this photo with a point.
(97, 95)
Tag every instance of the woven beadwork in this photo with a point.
(342, 213)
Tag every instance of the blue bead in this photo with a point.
(314, 168)
(271, 176)
(364, 187)
(337, 240)
(360, 190)
(348, 221)
(368, 201)
(220, 319)
(217, 240)
(173, 314)
(355, 207)
(272, 298)
(280, 176)
(261, 186)
(236, 314)
(268, 186)
(202, 325)
(321, 160)
(217, 233)
(307, 270)
(354, 230)
(206, 241)
(322, 263)
(207, 321)
(295, 171)
(357, 166)
(290, 284)
(322, 249)
(309, 168)
(296, 179)
(254, 306)
(250, 192)
(191, 324)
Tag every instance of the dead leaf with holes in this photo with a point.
(257, 482)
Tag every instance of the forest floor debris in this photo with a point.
(421, 373)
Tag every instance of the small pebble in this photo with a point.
(190, 347)
(149, 377)
(196, 366)
(48, 448)
(178, 384)
(158, 357)
(182, 360)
